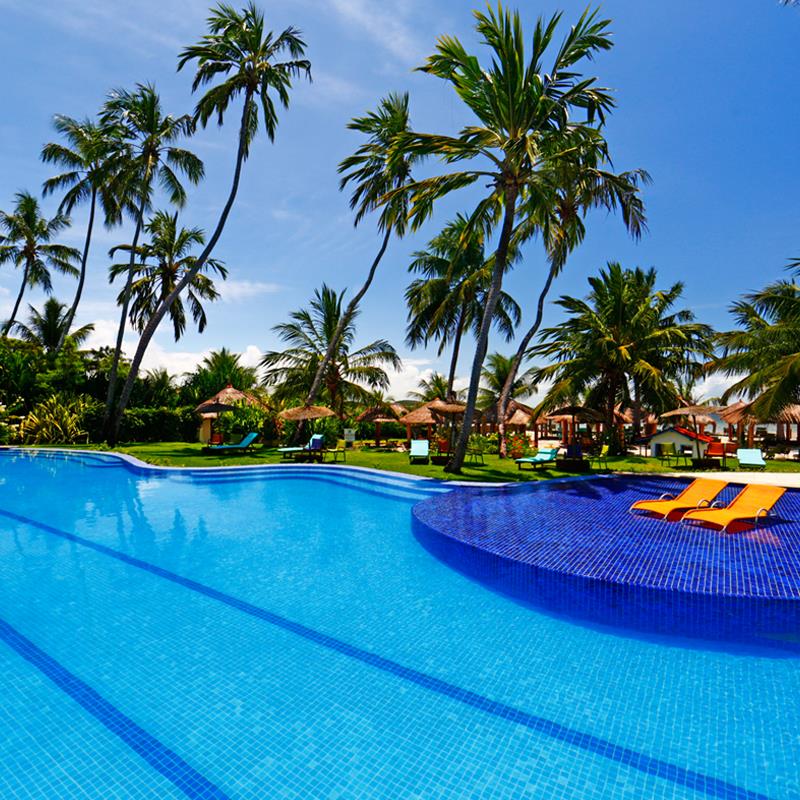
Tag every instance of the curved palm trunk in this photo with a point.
(482, 343)
(505, 393)
(126, 299)
(343, 322)
(454, 357)
(15, 311)
(82, 279)
(160, 312)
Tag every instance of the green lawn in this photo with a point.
(181, 454)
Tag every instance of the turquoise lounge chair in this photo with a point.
(314, 443)
(245, 444)
(753, 459)
(546, 456)
(420, 451)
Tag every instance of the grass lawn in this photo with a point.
(182, 454)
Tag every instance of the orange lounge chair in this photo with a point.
(752, 504)
(697, 494)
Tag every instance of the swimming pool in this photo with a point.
(281, 632)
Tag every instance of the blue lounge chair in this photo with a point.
(754, 459)
(240, 447)
(545, 456)
(314, 443)
(420, 451)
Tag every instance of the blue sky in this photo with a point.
(708, 101)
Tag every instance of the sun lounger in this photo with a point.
(751, 458)
(289, 452)
(245, 444)
(752, 504)
(419, 451)
(698, 494)
(313, 451)
(546, 456)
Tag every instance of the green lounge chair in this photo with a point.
(546, 456)
(289, 452)
(601, 459)
(245, 444)
(419, 451)
(752, 459)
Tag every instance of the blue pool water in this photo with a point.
(283, 633)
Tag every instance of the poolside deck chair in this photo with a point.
(754, 459)
(288, 453)
(544, 456)
(698, 494)
(245, 444)
(419, 451)
(313, 451)
(601, 459)
(752, 504)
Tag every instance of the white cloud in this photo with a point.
(389, 27)
(329, 90)
(406, 380)
(234, 291)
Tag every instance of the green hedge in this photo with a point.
(148, 424)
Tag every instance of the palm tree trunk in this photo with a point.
(81, 280)
(482, 343)
(154, 321)
(126, 298)
(454, 357)
(505, 392)
(333, 344)
(10, 321)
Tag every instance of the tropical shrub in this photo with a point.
(56, 420)
(242, 420)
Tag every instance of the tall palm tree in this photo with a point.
(373, 173)
(49, 329)
(495, 374)
(240, 48)
(27, 243)
(351, 375)
(149, 136)
(448, 300)
(435, 387)
(161, 263)
(92, 153)
(218, 369)
(624, 339)
(763, 353)
(533, 121)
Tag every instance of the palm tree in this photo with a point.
(448, 300)
(533, 124)
(495, 374)
(624, 341)
(763, 353)
(162, 262)
(373, 173)
(27, 242)
(435, 387)
(351, 375)
(49, 328)
(239, 47)
(218, 369)
(156, 390)
(151, 155)
(91, 155)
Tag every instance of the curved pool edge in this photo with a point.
(616, 604)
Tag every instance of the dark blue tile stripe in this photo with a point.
(705, 784)
(157, 755)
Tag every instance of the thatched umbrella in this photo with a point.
(229, 396)
(571, 414)
(302, 413)
(212, 409)
(385, 412)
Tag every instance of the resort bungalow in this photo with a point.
(682, 438)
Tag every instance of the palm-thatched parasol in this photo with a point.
(228, 396)
(301, 413)
(384, 412)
